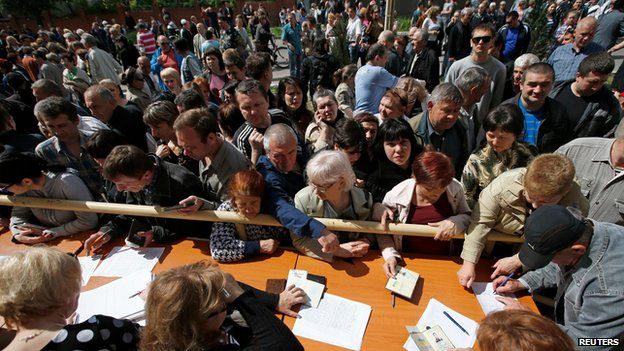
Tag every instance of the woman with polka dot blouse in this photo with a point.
(38, 298)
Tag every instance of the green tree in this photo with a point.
(541, 40)
(28, 8)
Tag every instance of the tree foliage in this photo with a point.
(28, 8)
(540, 37)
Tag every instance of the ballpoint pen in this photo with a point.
(506, 280)
(393, 299)
(455, 322)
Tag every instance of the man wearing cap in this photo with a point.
(582, 259)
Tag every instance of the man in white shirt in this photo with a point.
(354, 34)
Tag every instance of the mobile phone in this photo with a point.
(133, 239)
(177, 207)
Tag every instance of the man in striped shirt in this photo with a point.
(146, 40)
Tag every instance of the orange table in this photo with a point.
(69, 243)
(364, 281)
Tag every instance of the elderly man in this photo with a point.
(423, 63)
(393, 64)
(102, 65)
(284, 179)
(592, 109)
(164, 57)
(438, 125)
(151, 84)
(546, 123)
(372, 80)
(102, 104)
(566, 58)
(254, 105)
(66, 146)
(513, 80)
(473, 84)
(199, 39)
(197, 132)
(459, 36)
(393, 105)
(482, 40)
(582, 259)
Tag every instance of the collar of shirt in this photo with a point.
(60, 146)
(431, 130)
(217, 162)
(604, 154)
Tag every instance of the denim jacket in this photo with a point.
(592, 290)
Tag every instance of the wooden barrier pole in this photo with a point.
(230, 217)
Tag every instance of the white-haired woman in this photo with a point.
(171, 79)
(38, 298)
(331, 194)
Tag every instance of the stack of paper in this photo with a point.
(434, 315)
(336, 321)
(122, 261)
(87, 266)
(487, 297)
(313, 290)
(118, 299)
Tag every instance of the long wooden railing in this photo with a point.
(232, 217)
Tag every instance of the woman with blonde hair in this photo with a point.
(171, 79)
(38, 298)
(189, 308)
(432, 25)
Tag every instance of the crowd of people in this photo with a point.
(458, 126)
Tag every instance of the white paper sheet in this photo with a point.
(434, 315)
(487, 297)
(87, 266)
(122, 261)
(113, 299)
(337, 321)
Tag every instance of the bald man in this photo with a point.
(566, 58)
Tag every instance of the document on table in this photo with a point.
(487, 297)
(123, 260)
(434, 315)
(313, 290)
(87, 266)
(118, 299)
(337, 321)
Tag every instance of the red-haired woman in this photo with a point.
(233, 242)
(431, 197)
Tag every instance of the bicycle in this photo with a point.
(279, 54)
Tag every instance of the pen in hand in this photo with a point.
(505, 281)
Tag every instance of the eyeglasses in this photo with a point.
(486, 39)
(321, 189)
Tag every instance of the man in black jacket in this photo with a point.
(143, 179)
(591, 108)
(546, 123)
(102, 104)
(423, 63)
(516, 36)
(459, 37)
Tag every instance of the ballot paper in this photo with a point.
(487, 297)
(336, 321)
(123, 260)
(118, 299)
(87, 266)
(434, 315)
(313, 290)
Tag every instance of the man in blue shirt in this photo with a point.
(516, 36)
(372, 80)
(284, 178)
(291, 35)
(546, 124)
(566, 59)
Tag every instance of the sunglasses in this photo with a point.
(486, 39)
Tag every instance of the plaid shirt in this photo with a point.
(54, 152)
(565, 60)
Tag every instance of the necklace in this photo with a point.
(27, 338)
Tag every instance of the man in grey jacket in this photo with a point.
(582, 259)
